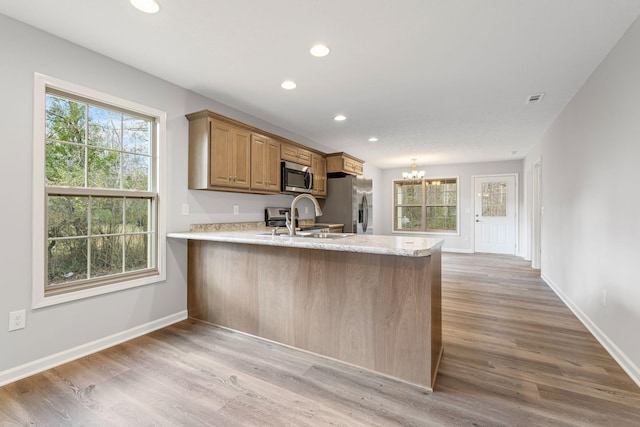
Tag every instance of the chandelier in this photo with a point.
(414, 174)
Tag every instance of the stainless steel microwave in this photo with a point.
(296, 178)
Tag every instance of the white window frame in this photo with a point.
(430, 233)
(39, 229)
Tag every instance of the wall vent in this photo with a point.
(534, 99)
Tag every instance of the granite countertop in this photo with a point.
(364, 243)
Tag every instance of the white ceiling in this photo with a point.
(444, 81)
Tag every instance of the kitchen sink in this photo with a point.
(314, 227)
(308, 235)
(323, 235)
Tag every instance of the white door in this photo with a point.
(495, 214)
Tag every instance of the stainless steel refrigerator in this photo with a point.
(349, 202)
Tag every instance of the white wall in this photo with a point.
(56, 329)
(464, 241)
(533, 157)
(590, 226)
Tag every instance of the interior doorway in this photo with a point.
(495, 219)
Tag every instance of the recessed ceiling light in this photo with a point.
(319, 50)
(288, 84)
(373, 139)
(146, 6)
(339, 118)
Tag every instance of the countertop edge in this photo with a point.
(359, 243)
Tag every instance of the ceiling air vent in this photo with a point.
(534, 99)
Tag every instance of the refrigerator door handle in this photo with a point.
(365, 213)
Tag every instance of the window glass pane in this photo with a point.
(65, 120)
(408, 193)
(137, 135)
(106, 215)
(106, 256)
(138, 212)
(408, 218)
(135, 172)
(435, 195)
(494, 199)
(105, 128)
(441, 218)
(64, 164)
(67, 260)
(67, 216)
(137, 252)
(104, 168)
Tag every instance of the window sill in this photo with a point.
(40, 301)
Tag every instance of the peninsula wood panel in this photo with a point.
(379, 312)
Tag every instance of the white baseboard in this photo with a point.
(618, 355)
(31, 368)
(458, 250)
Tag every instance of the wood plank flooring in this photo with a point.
(514, 356)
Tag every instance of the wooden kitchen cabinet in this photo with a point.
(343, 163)
(219, 154)
(319, 166)
(228, 155)
(265, 163)
(293, 153)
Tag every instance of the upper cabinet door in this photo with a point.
(319, 166)
(272, 170)
(221, 140)
(258, 165)
(241, 158)
(265, 164)
(293, 153)
(344, 163)
(229, 156)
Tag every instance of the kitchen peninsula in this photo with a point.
(367, 300)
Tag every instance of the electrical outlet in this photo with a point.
(236, 209)
(603, 297)
(185, 209)
(17, 320)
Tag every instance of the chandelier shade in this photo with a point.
(414, 174)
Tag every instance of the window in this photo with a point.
(428, 205)
(494, 199)
(97, 188)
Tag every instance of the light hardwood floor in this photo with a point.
(514, 356)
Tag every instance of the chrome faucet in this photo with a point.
(291, 222)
